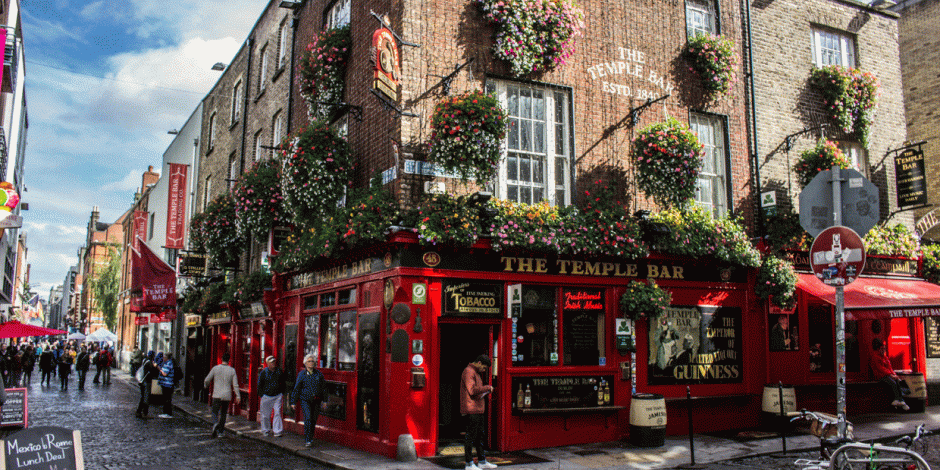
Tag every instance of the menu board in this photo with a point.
(932, 336)
(45, 447)
(14, 411)
(535, 393)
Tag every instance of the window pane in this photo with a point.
(513, 134)
(525, 130)
(347, 340)
(560, 171)
(525, 99)
(538, 105)
(328, 340)
(535, 339)
(539, 137)
(512, 167)
(525, 194)
(312, 336)
(538, 172)
(583, 339)
(525, 169)
(513, 96)
(512, 193)
(347, 296)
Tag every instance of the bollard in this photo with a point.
(783, 432)
(406, 448)
(688, 401)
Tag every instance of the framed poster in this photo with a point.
(695, 344)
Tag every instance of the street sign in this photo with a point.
(837, 256)
(861, 204)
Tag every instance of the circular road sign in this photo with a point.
(837, 256)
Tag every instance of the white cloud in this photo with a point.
(130, 183)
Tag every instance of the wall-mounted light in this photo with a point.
(290, 4)
(172, 132)
(882, 5)
(218, 66)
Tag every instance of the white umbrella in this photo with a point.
(101, 334)
(77, 336)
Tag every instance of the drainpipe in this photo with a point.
(755, 157)
(295, 21)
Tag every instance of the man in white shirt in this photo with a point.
(224, 390)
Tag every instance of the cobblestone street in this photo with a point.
(112, 438)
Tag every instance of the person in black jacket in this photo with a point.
(66, 359)
(82, 361)
(308, 390)
(271, 383)
(46, 365)
(150, 372)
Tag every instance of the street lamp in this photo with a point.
(218, 66)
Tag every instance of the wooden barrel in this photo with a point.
(917, 399)
(647, 420)
(770, 406)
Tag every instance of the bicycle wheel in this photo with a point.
(920, 446)
(848, 458)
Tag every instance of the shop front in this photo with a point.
(393, 332)
(254, 331)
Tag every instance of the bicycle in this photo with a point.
(825, 427)
(916, 442)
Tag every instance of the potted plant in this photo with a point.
(315, 174)
(776, 281)
(818, 159)
(849, 95)
(223, 240)
(444, 219)
(668, 158)
(533, 35)
(712, 58)
(322, 71)
(644, 299)
(257, 197)
(466, 134)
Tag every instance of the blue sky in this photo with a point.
(104, 84)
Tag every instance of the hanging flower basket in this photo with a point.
(322, 71)
(818, 159)
(644, 299)
(369, 216)
(315, 174)
(197, 241)
(222, 238)
(712, 58)
(777, 281)
(668, 159)
(247, 289)
(257, 196)
(849, 96)
(534, 36)
(466, 134)
(894, 240)
(693, 232)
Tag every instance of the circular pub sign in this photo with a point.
(837, 256)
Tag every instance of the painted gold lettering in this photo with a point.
(562, 266)
(525, 265)
(577, 268)
(541, 265)
(507, 263)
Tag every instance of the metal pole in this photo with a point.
(840, 309)
(688, 401)
(783, 433)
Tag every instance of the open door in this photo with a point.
(460, 344)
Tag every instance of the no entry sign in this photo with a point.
(837, 256)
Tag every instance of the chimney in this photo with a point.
(150, 178)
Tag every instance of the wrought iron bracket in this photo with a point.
(635, 112)
(448, 79)
(391, 106)
(389, 27)
(788, 140)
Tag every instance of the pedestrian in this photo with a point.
(29, 364)
(99, 356)
(147, 375)
(46, 365)
(82, 363)
(107, 360)
(472, 405)
(224, 382)
(65, 368)
(271, 385)
(883, 372)
(137, 358)
(308, 391)
(167, 381)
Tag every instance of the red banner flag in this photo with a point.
(140, 228)
(153, 282)
(142, 320)
(176, 206)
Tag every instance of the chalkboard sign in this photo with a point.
(45, 447)
(932, 336)
(14, 411)
(561, 392)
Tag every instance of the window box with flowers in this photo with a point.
(222, 238)
(247, 289)
(315, 174)
(466, 135)
(534, 36)
(849, 96)
(712, 58)
(776, 281)
(644, 299)
(322, 71)
(895, 240)
(693, 232)
(257, 196)
(818, 159)
(668, 158)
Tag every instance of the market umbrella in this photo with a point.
(101, 334)
(15, 329)
(77, 336)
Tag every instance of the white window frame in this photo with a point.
(553, 121)
(282, 44)
(211, 137)
(698, 12)
(236, 101)
(831, 47)
(232, 170)
(856, 154)
(277, 127)
(338, 14)
(206, 192)
(263, 69)
(714, 175)
(258, 143)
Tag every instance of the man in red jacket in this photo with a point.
(472, 405)
(881, 369)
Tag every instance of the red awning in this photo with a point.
(870, 298)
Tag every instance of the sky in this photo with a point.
(104, 84)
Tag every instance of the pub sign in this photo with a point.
(472, 299)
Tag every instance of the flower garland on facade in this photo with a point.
(441, 219)
(467, 132)
(369, 216)
(849, 95)
(931, 263)
(315, 175)
(534, 36)
(220, 231)
(817, 160)
(895, 240)
(668, 159)
(777, 281)
(695, 233)
(644, 299)
(257, 196)
(322, 71)
(247, 289)
(712, 58)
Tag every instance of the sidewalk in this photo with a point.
(675, 452)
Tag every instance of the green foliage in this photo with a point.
(931, 260)
(713, 59)
(644, 299)
(784, 232)
(247, 289)
(668, 159)
(317, 167)
(322, 71)
(467, 134)
(106, 285)
(695, 233)
(445, 219)
(222, 239)
(257, 197)
(776, 280)
(896, 240)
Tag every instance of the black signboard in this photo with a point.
(45, 448)
(695, 344)
(472, 299)
(14, 411)
(193, 264)
(540, 393)
(932, 336)
(910, 177)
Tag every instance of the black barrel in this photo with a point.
(647, 420)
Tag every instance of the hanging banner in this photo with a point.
(176, 207)
(153, 282)
(910, 177)
(140, 228)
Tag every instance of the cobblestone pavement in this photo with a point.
(112, 438)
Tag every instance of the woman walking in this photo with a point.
(150, 371)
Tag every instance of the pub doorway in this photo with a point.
(460, 344)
